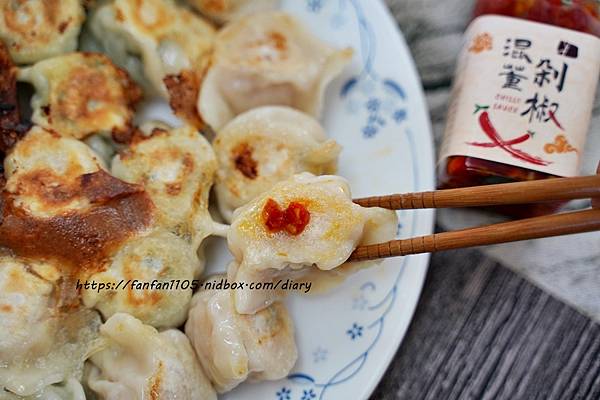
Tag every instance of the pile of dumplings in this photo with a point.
(91, 192)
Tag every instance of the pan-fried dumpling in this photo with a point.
(166, 42)
(138, 362)
(222, 11)
(80, 94)
(177, 168)
(264, 146)
(39, 344)
(37, 29)
(267, 59)
(304, 228)
(160, 256)
(59, 203)
(234, 347)
(43, 167)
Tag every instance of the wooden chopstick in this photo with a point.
(530, 228)
(492, 195)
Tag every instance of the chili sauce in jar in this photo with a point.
(523, 95)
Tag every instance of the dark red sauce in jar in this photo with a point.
(461, 171)
(292, 220)
(578, 15)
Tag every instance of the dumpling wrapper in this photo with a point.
(40, 345)
(165, 47)
(232, 347)
(79, 94)
(44, 173)
(160, 256)
(41, 169)
(318, 254)
(222, 11)
(138, 362)
(264, 146)
(267, 59)
(37, 29)
(60, 203)
(177, 168)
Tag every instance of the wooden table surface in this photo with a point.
(480, 330)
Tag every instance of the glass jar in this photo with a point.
(467, 170)
(577, 15)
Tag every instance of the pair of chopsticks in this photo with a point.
(493, 195)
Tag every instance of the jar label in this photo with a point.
(523, 95)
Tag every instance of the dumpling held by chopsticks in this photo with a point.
(305, 228)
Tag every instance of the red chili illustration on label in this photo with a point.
(498, 141)
(510, 142)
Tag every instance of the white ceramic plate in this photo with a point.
(376, 111)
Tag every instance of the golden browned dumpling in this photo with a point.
(164, 46)
(177, 168)
(79, 94)
(60, 203)
(37, 29)
(43, 173)
(222, 11)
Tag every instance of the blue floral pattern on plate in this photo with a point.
(284, 394)
(320, 354)
(379, 99)
(355, 331)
